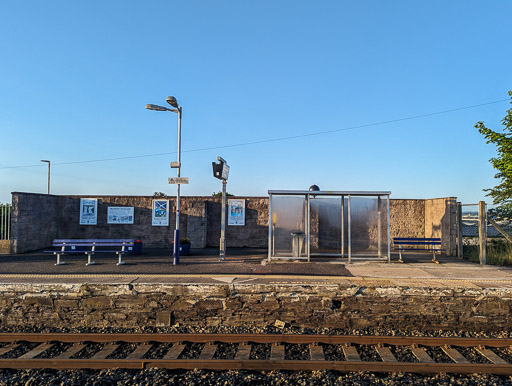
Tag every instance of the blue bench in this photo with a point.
(89, 247)
(420, 244)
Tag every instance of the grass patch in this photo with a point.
(471, 253)
(499, 252)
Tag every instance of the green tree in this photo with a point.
(501, 193)
(219, 194)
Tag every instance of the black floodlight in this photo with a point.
(314, 188)
(172, 101)
(156, 108)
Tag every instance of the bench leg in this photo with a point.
(58, 260)
(121, 262)
(400, 255)
(434, 257)
(89, 262)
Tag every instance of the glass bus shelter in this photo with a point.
(305, 223)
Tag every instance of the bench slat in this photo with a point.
(420, 250)
(416, 243)
(89, 244)
(75, 247)
(416, 239)
(92, 240)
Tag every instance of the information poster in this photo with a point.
(160, 213)
(120, 215)
(88, 211)
(236, 212)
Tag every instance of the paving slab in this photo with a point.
(250, 266)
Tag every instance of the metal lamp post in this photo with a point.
(45, 160)
(177, 109)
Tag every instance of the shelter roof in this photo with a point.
(330, 193)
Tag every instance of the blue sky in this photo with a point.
(76, 76)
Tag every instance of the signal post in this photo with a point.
(221, 171)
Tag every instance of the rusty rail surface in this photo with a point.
(31, 357)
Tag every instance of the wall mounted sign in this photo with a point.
(160, 213)
(120, 215)
(236, 212)
(88, 211)
(178, 180)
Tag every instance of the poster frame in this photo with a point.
(111, 212)
(88, 218)
(236, 219)
(159, 220)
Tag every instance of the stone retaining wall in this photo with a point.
(37, 219)
(342, 305)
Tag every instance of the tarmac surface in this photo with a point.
(244, 265)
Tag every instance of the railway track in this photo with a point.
(424, 355)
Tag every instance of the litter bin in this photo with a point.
(297, 242)
(136, 249)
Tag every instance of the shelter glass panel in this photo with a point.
(288, 230)
(368, 226)
(325, 225)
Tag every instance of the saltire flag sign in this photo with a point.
(160, 213)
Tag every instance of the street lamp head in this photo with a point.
(156, 108)
(45, 160)
(172, 101)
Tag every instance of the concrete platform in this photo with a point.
(249, 266)
(149, 291)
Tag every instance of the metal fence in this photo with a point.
(5, 221)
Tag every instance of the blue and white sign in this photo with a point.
(120, 215)
(88, 211)
(160, 213)
(236, 212)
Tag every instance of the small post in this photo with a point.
(271, 229)
(222, 251)
(308, 228)
(388, 208)
(459, 231)
(482, 231)
(349, 218)
(342, 226)
(379, 225)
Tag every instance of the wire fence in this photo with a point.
(5, 221)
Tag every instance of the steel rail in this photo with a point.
(226, 364)
(255, 338)
(317, 361)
